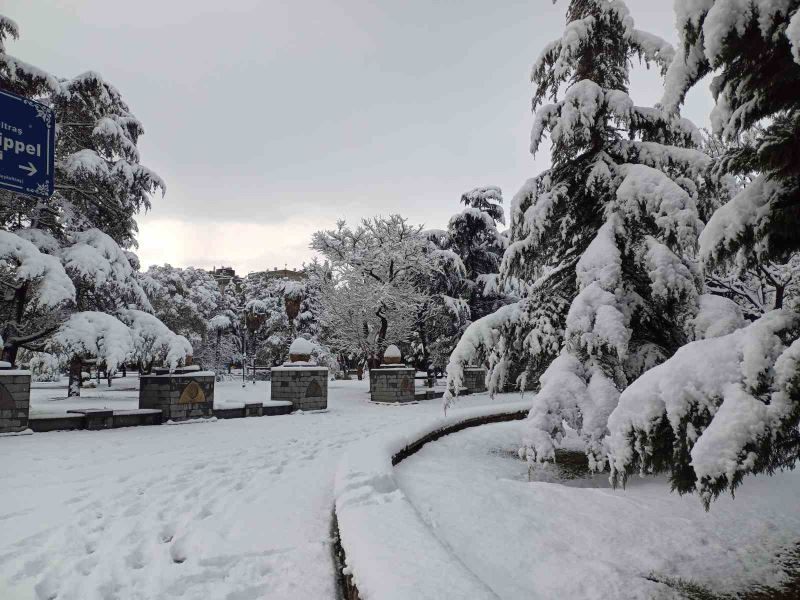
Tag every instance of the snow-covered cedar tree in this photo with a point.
(757, 284)
(604, 239)
(65, 255)
(729, 406)
(464, 284)
(753, 47)
(474, 236)
(371, 299)
(444, 311)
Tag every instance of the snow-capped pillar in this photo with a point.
(392, 381)
(301, 381)
(15, 398)
(186, 393)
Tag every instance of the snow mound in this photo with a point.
(392, 352)
(301, 346)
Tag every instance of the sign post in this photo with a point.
(27, 146)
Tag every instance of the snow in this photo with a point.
(716, 316)
(793, 33)
(154, 340)
(95, 256)
(654, 48)
(745, 212)
(669, 277)
(713, 377)
(53, 286)
(94, 334)
(726, 16)
(301, 346)
(244, 503)
(478, 337)
(190, 373)
(300, 365)
(579, 538)
(572, 119)
(392, 351)
(382, 533)
(646, 191)
(219, 323)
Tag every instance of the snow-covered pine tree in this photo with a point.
(444, 312)
(604, 238)
(463, 284)
(474, 236)
(729, 405)
(756, 284)
(65, 255)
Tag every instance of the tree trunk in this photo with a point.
(10, 353)
(75, 377)
(216, 355)
(20, 299)
(780, 290)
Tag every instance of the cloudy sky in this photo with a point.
(272, 119)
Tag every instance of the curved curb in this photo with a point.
(372, 562)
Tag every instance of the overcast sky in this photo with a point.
(272, 119)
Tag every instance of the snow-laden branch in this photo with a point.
(51, 285)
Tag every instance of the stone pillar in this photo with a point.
(392, 383)
(475, 380)
(306, 387)
(15, 399)
(188, 393)
(300, 381)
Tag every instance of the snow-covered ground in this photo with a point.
(581, 539)
(237, 509)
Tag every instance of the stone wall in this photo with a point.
(392, 384)
(179, 396)
(15, 400)
(305, 387)
(474, 379)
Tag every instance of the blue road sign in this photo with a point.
(27, 146)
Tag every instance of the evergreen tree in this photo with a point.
(463, 285)
(603, 239)
(68, 281)
(473, 235)
(729, 405)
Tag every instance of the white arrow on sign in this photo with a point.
(30, 168)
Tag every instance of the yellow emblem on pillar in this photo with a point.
(192, 394)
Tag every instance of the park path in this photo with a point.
(235, 510)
